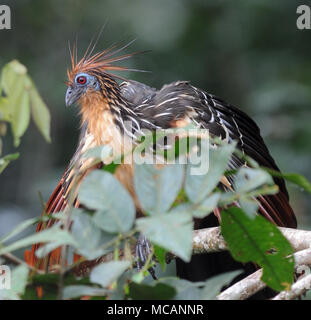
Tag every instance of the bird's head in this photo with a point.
(81, 84)
(90, 77)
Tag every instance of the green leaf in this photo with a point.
(121, 285)
(248, 179)
(139, 276)
(158, 188)
(159, 291)
(10, 72)
(111, 167)
(53, 279)
(197, 187)
(208, 290)
(111, 221)
(248, 184)
(259, 241)
(40, 112)
(4, 110)
(185, 290)
(108, 272)
(200, 210)
(160, 254)
(18, 284)
(172, 231)
(21, 115)
(102, 191)
(206, 206)
(299, 180)
(80, 241)
(22, 97)
(82, 290)
(54, 234)
(87, 236)
(295, 178)
(49, 282)
(4, 162)
(249, 206)
(214, 285)
(229, 197)
(16, 85)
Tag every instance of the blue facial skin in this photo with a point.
(91, 81)
(75, 91)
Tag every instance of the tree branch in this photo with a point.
(210, 239)
(298, 289)
(252, 284)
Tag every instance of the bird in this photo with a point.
(106, 104)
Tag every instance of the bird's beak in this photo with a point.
(72, 95)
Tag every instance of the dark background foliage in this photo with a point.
(248, 52)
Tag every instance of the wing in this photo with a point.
(137, 93)
(180, 101)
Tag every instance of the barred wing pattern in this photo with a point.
(179, 101)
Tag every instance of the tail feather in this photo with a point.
(55, 204)
(277, 209)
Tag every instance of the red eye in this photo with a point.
(81, 80)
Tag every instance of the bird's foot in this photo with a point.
(143, 251)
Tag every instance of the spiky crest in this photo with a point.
(100, 62)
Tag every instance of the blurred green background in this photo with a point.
(248, 52)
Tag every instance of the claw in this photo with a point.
(143, 250)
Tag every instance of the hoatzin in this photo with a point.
(105, 106)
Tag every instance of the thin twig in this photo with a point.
(15, 260)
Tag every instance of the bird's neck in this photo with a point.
(106, 118)
(96, 114)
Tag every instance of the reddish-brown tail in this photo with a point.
(56, 203)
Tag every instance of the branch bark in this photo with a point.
(297, 290)
(210, 239)
(252, 284)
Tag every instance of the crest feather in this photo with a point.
(100, 62)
